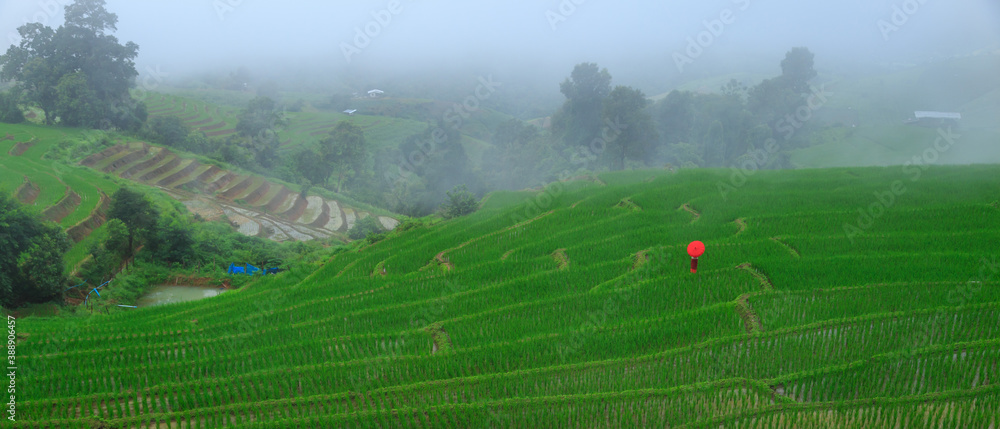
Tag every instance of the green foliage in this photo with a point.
(117, 239)
(365, 228)
(631, 134)
(520, 157)
(257, 125)
(169, 130)
(797, 69)
(721, 130)
(579, 120)
(343, 152)
(260, 118)
(10, 111)
(137, 213)
(79, 71)
(31, 255)
(460, 202)
(174, 241)
(106, 257)
(77, 104)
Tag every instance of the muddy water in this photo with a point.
(160, 295)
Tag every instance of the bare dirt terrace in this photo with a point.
(253, 204)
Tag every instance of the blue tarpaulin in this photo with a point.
(251, 270)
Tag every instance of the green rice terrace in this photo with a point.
(75, 197)
(840, 298)
(378, 119)
(213, 120)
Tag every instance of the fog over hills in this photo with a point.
(650, 44)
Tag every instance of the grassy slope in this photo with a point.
(543, 318)
(966, 85)
(387, 122)
(53, 177)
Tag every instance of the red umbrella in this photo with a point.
(695, 249)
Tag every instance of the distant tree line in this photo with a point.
(599, 126)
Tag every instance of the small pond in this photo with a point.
(160, 295)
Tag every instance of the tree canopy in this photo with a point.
(136, 212)
(585, 91)
(31, 255)
(797, 69)
(10, 112)
(631, 134)
(79, 72)
(344, 152)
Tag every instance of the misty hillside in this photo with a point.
(558, 213)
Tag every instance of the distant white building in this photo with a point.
(926, 117)
(375, 93)
(350, 112)
(937, 115)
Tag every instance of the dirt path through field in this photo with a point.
(561, 258)
(792, 250)
(687, 207)
(751, 321)
(641, 257)
(741, 223)
(444, 260)
(441, 339)
(764, 281)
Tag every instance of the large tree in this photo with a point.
(797, 69)
(77, 104)
(173, 241)
(136, 212)
(31, 255)
(630, 133)
(520, 156)
(585, 91)
(344, 151)
(79, 59)
(260, 118)
(258, 125)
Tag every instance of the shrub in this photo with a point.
(460, 202)
(10, 112)
(169, 130)
(365, 227)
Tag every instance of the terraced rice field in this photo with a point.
(304, 129)
(565, 308)
(72, 196)
(380, 131)
(256, 206)
(214, 120)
